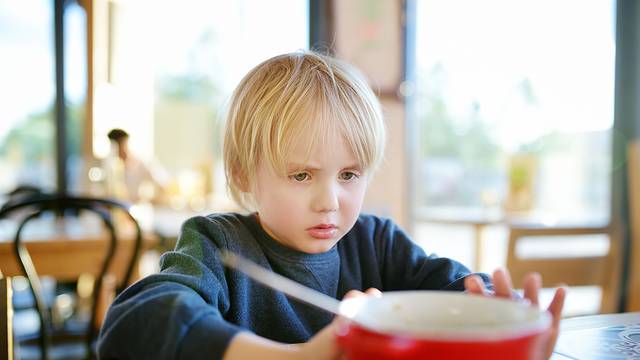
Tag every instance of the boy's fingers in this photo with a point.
(353, 293)
(339, 323)
(502, 283)
(556, 305)
(373, 292)
(555, 308)
(474, 285)
(369, 292)
(532, 283)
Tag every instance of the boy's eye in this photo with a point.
(299, 177)
(348, 175)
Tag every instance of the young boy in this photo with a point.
(304, 134)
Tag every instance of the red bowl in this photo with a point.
(441, 325)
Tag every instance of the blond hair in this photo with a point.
(294, 94)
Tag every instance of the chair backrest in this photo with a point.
(571, 270)
(60, 204)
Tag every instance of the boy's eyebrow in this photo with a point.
(292, 167)
(354, 167)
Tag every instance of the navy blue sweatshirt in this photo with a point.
(194, 306)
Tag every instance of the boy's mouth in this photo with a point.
(323, 231)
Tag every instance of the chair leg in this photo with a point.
(105, 298)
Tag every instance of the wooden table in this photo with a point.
(480, 219)
(66, 248)
(610, 337)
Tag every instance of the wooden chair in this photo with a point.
(603, 271)
(104, 208)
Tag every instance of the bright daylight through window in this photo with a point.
(513, 114)
(515, 107)
(170, 80)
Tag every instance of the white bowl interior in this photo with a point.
(446, 315)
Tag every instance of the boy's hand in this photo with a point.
(532, 283)
(323, 345)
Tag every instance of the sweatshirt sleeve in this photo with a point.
(406, 266)
(179, 312)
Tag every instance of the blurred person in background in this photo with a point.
(130, 178)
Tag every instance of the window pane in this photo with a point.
(75, 57)
(181, 67)
(27, 155)
(515, 106)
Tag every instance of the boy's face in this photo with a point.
(317, 202)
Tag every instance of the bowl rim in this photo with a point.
(540, 323)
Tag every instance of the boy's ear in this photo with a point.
(241, 180)
(243, 185)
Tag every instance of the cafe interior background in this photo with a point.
(501, 114)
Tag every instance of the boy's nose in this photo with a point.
(326, 198)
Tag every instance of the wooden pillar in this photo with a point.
(6, 320)
(633, 278)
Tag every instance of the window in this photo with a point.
(75, 58)
(514, 110)
(27, 132)
(27, 155)
(170, 80)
